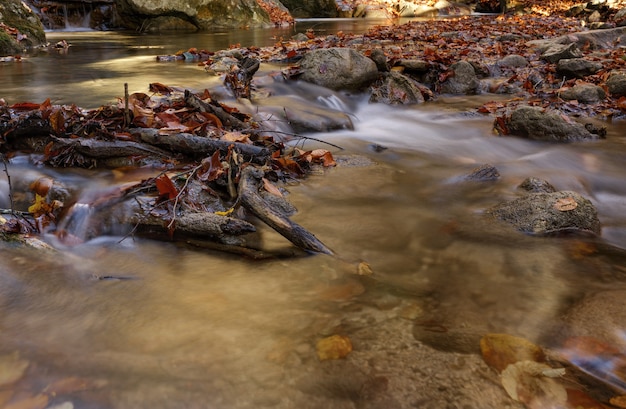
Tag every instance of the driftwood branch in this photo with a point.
(200, 146)
(227, 119)
(249, 197)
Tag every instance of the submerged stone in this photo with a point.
(549, 213)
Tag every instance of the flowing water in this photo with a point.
(145, 324)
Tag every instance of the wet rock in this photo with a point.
(585, 93)
(549, 213)
(463, 80)
(513, 61)
(577, 67)
(616, 84)
(338, 69)
(557, 52)
(396, 89)
(484, 173)
(537, 124)
(536, 185)
(380, 59)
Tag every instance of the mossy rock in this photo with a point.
(14, 14)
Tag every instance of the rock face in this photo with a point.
(24, 29)
(538, 124)
(312, 8)
(203, 14)
(338, 69)
(549, 213)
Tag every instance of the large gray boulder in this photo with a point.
(549, 213)
(24, 29)
(338, 69)
(463, 80)
(538, 124)
(203, 14)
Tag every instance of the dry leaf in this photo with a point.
(270, 187)
(525, 382)
(501, 350)
(565, 204)
(333, 347)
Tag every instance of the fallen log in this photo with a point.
(101, 149)
(200, 146)
(249, 197)
(223, 229)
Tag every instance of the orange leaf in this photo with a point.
(324, 157)
(166, 187)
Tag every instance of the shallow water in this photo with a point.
(147, 324)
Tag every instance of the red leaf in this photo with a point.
(166, 187)
(25, 106)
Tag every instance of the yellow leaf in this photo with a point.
(333, 347)
(39, 207)
(226, 213)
